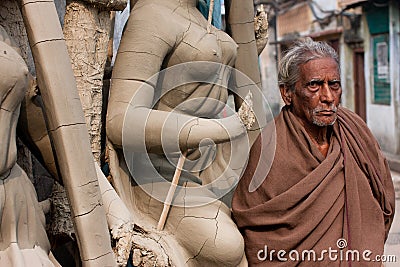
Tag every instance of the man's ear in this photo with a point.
(286, 94)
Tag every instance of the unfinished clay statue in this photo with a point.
(159, 35)
(150, 122)
(23, 237)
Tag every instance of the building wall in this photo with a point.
(269, 76)
(296, 20)
(395, 11)
(347, 77)
(383, 120)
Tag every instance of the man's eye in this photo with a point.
(334, 85)
(314, 85)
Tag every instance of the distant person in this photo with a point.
(329, 187)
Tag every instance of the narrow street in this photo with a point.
(392, 246)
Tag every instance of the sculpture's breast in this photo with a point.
(199, 45)
(198, 71)
(13, 82)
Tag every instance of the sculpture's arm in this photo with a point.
(240, 25)
(148, 39)
(32, 129)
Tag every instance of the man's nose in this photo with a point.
(326, 93)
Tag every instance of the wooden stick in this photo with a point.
(210, 14)
(171, 192)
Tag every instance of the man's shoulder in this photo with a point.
(353, 122)
(347, 114)
(347, 111)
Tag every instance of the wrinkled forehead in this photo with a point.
(320, 68)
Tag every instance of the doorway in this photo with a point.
(359, 84)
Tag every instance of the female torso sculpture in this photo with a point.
(23, 239)
(169, 86)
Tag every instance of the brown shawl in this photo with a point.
(308, 202)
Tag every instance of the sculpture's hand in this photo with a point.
(246, 112)
(215, 130)
(261, 29)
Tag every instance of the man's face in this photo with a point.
(317, 93)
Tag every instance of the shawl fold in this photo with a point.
(344, 202)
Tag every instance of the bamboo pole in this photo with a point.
(171, 192)
(210, 15)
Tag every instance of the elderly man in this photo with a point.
(328, 198)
